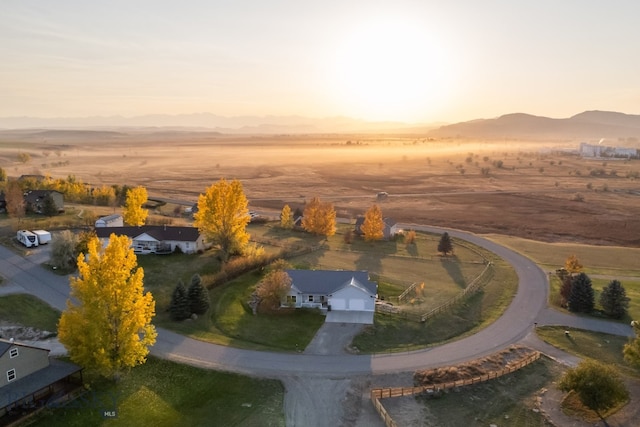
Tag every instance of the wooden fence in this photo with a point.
(377, 394)
(474, 286)
(383, 393)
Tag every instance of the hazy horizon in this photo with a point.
(404, 61)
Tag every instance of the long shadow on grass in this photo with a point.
(370, 261)
(452, 265)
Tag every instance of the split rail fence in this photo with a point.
(377, 394)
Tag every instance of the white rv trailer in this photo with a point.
(43, 236)
(27, 238)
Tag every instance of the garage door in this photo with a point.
(338, 304)
(356, 304)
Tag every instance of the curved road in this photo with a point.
(527, 307)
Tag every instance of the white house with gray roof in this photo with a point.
(157, 239)
(332, 290)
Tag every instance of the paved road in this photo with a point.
(528, 307)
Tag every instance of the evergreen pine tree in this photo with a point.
(614, 300)
(179, 307)
(198, 296)
(581, 299)
(49, 207)
(445, 245)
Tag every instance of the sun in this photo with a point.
(390, 70)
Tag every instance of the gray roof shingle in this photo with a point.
(328, 281)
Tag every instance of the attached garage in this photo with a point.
(337, 303)
(340, 291)
(356, 304)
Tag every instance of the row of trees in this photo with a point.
(577, 293)
(188, 301)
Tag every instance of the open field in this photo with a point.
(525, 191)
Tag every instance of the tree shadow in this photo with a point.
(412, 249)
(452, 265)
(370, 261)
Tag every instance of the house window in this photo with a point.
(11, 374)
(310, 298)
(291, 299)
(13, 352)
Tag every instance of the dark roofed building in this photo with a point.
(34, 200)
(32, 377)
(148, 239)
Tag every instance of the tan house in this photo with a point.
(29, 378)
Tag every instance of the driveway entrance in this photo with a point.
(344, 316)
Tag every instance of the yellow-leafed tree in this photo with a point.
(286, 217)
(223, 216)
(373, 226)
(107, 324)
(572, 264)
(319, 218)
(134, 214)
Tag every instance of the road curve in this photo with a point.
(528, 306)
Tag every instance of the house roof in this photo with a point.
(35, 195)
(110, 217)
(329, 281)
(26, 386)
(158, 232)
(5, 345)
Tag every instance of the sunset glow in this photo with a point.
(392, 70)
(406, 60)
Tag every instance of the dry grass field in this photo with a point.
(458, 184)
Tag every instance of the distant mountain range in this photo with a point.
(589, 125)
(207, 122)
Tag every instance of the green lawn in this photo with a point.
(162, 393)
(28, 310)
(393, 333)
(603, 347)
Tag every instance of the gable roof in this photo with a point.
(110, 217)
(33, 196)
(158, 232)
(329, 281)
(5, 345)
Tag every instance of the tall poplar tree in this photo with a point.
(134, 214)
(107, 323)
(223, 216)
(373, 226)
(286, 218)
(319, 218)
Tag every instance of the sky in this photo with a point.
(411, 61)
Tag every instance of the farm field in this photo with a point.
(519, 188)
